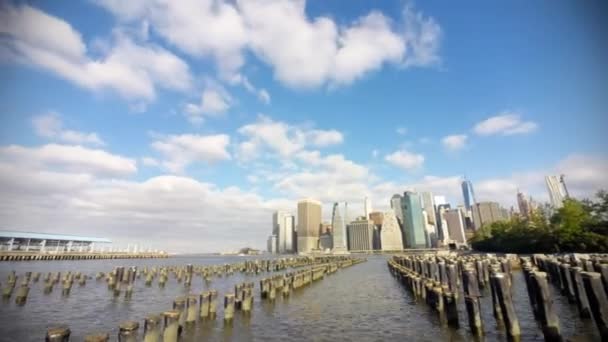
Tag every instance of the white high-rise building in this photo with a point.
(390, 235)
(283, 224)
(455, 223)
(442, 224)
(557, 190)
(367, 207)
(338, 230)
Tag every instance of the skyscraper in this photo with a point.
(485, 213)
(367, 207)
(271, 244)
(414, 223)
(442, 225)
(557, 190)
(396, 205)
(283, 227)
(523, 204)
(309, 223)
(468, 194)
(455, 223)
(390, 235)
(428, 204)
(360, 235)
(339, 230)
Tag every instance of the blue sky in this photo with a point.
(155, 122)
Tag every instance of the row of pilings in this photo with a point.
(192, 310)
(122, 280)
(440, 280)
(583, 280)
(25, 256)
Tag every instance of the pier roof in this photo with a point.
(46, 236)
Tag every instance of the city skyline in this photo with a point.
(121, 123)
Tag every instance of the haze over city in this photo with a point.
(183, 126)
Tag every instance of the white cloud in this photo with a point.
(178, 214)
(179, 151)
(262, 93)
(49, 43)
(282, 138)
(327, 178)
(76, 159)
(322, 138)
(302, 51)
(365, 46)
(149, 161)
(405, 159)
(505, 124)
(50, 126)
(206, 28)
(310, 52)
(77, 190)
(215, 101)
(454, 142)
(401, 130)
(422, 36)
(264, 96)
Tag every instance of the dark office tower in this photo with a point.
(468, 194)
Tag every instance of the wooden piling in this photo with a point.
(152, 328)
(597, 301)
(474, 314)
(247, 300)
(171, 331)
(58, 334)
(22, 293)
(228, 307)
(451, 309)
(548, 319)
(579, 290)
(127, 331)
(179, 304)
(192, 310)
(205, 298)
(503, 294)
(212, 303)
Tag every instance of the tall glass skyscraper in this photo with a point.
(283, 224)
(414, 223)
(468, 194)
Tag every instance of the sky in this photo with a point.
(182, 125)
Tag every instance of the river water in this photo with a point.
(359, 303)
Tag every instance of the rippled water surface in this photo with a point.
(360, 303)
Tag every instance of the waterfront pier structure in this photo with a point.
(23, 246)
